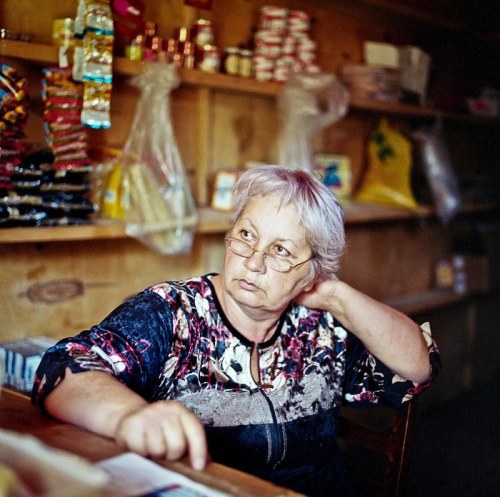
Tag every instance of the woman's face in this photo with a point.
(272, 228)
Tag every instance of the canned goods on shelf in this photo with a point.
(268, 43)
(181, 34)
(273, 18)
(231, 61)
(171, 45)
(63, 32)
(150, 28)
(156, 43)
(202, 32)
(263, 68)
(245, 67)
(209, 58)
(297, 19)
(188, 55)
(133, 52)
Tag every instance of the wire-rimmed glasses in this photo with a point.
(274, 262)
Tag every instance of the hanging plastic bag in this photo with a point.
(388, 177)
(439, 171)
(309, 103)
(159, 208)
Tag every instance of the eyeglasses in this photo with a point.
(274, 262)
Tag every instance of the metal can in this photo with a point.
(150, 28)
(299, 23)
(268, 43)
(273, 18)
(307, 51)
(188, 55)
(263, 68)
(156, 43)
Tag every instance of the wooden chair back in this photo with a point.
(384, 475)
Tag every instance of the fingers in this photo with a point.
(164, 429)
(196, 440)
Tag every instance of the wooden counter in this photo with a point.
(19, 415)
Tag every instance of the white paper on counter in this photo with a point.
(132, 475)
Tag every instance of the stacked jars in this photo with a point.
(188, 47)
(283, 44)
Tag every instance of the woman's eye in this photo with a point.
(246, 235)
(281, 251)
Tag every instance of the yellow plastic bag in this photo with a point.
(387, 179)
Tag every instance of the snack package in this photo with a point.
(93, 60)
(309, 103)
(159, 209)
(439, 171)
(388, 177)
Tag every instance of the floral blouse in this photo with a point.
(173, 341)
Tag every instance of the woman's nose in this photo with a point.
(256, 262)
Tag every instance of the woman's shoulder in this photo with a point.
(194, 285)
(182, 292)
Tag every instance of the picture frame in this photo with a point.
(221, 197)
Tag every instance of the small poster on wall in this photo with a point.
(335, 172)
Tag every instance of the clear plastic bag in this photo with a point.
(439, 171)
(159, 208)
(309, 103)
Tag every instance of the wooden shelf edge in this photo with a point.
(429, 300)
(47, 54)
(32, 52)
(363, 212)
(212, 222)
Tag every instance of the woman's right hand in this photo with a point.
(165, 428)
(100, 403)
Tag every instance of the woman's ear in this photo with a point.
(309, 286)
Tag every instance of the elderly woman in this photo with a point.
(250, 365)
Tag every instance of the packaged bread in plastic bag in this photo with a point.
(388, 176)
(159, 208)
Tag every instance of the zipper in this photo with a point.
(276, 433)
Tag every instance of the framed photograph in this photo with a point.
(222, 190)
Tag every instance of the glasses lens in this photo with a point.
(242, 249)
(278, 264)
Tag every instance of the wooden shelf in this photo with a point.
(428, 301)
(213, 222)
(47, 54)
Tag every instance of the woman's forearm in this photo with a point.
(387, 333)
(93, 400)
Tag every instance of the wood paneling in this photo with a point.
(57, 289)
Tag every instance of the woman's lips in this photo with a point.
(248, 285)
